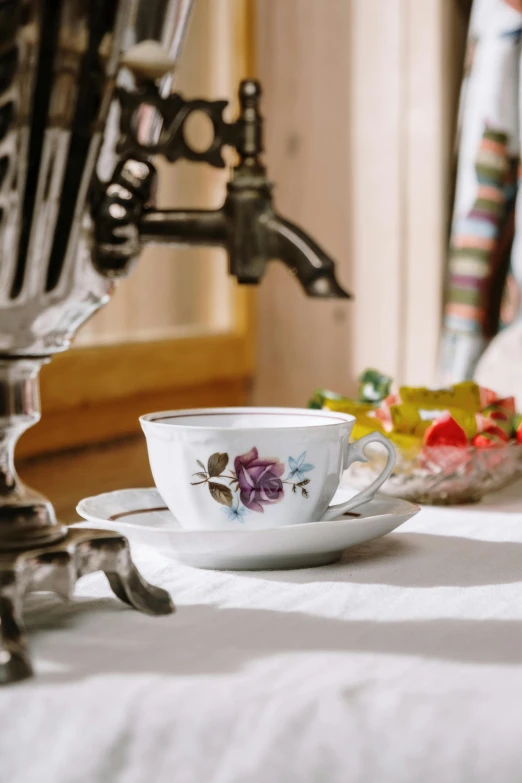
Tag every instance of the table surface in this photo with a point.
(403, 662)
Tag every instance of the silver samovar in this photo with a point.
(86, 101)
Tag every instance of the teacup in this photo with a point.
(255, 468)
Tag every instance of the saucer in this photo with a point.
(141, 515)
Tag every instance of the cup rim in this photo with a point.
(160, 419)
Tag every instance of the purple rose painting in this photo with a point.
(255, 482)
(259, 480)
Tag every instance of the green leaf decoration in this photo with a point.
(303, 483)
(217, 463)
(200, 464)
(220, 493)
(294, 488)
(200, 475)
(304, 493)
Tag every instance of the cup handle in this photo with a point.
(355, 453)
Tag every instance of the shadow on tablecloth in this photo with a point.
(208, 640)
(416, 560)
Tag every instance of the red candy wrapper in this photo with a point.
(445, 432)
(505, 404)
(499, 415)
(496, 429)
(446, 446)
(487, 396)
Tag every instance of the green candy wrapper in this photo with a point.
(374, 386)
(320, 396)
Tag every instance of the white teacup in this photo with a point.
(255, 468)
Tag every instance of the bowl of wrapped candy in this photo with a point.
(453, 445)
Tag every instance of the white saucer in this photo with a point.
(141, 515)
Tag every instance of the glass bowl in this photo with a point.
(441, 475)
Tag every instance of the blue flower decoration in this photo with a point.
(298, 467)
(235, 513)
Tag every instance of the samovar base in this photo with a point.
(36, 552)
(56, 568)
(27, 522)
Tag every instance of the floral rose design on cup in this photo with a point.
(253, 483)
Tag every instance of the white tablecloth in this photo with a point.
(401, 663)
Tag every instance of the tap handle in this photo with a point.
(248, 128)
(153, 125)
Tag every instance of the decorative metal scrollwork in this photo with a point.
(168, 117)
(172, 114)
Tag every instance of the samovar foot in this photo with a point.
(56, 568)
(15, 663)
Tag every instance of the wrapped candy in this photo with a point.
(490, 439)
(320, 396)
(506, 404)
(443, 425)
(453, 444)
(446, 446)
(405, 418)
(445, 431)
(409, 419)
(497, 420)
(365, 419)
(374, 386)
(467, 396)
(499, 415)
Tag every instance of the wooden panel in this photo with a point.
(436, 35)
(65, 478)
(95, 394)
(102, 422)
(96, 375)
(327, 76)
(377, 44)
(303, 62)
(360, 99)
(426, 175)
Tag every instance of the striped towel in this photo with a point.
(484, 275)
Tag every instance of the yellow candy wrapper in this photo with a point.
(410, 420)
(365, 426)
(364, 413)
(467, 396)
(467, 420)
(345, 405)
(405, 418)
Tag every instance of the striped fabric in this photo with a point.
(485, 252)
(474, 237)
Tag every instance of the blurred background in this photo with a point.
(360, 105)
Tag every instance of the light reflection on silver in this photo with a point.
(40, 310)
(119, 191)
(117, 211)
